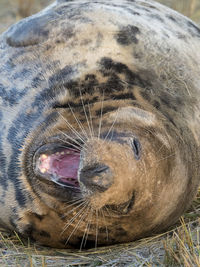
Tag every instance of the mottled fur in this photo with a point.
(120, 80)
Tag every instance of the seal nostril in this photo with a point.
(97, 177)
(101, 169)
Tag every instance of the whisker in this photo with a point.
(75, 203)
(86, 116)
(111, 127)
(109, 213)
(69, 137)
(73, 149)
(79, 123)
(90, 220)
(72, 128)
(91, 122)
(169, 156)
(101, 115)
(71, 144)
(107, 237)
(86, 228)
(97, 228)
(74, 218)
(67, 186)
(77, 225)
(75, 208)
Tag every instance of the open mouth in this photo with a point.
(59, 164)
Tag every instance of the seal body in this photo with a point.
(100, 121)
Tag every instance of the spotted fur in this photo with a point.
(118, 81)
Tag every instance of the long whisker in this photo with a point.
(169, 156)
(75, 208)
(69, 143)
(72, 128)
(65, 146)
(91, 122)
(71, 204)
(74, 218)
(109, 213)
(69, 137)
(90, 220)
(86, 229)
(86, 116)
(111, 127)
(78, 122)
(84, 214)
(107, 237)
(97, 228)
(101, 115)
(67, 186)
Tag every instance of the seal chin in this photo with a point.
(57, 163)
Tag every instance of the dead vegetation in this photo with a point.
(25, 7)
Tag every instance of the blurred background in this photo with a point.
(13, 10)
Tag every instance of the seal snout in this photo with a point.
(96, 177)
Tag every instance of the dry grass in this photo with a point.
(183, 248)
(25, 8)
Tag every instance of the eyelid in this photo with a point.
(136, 146)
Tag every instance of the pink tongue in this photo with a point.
(64, 164)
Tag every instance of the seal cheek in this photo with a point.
(96, 177)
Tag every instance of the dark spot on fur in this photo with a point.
(11, 96)
(61, 76)
(28, 230)
(112, 68)
(152, 7)
(105, 110)
(20, 196)
(146, 95)
(156, 17)
(113, 84)
(181, 36)
(44, 234)
(131, 11)
(195, 30)
(124, 96)
(171, 18)
(13, 220)
(138, 55)
(169, 101)
(127, 35)
(37, 80)
(120, 231)
(38, 216)
(156, 104)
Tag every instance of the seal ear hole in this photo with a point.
(136, 146)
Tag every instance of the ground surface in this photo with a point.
(179, 248)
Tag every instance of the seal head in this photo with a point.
(99, 122)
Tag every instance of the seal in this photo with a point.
(100, 122)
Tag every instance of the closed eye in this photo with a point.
(136, 146)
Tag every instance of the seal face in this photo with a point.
(99, 133)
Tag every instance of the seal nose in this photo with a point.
(97, 177)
